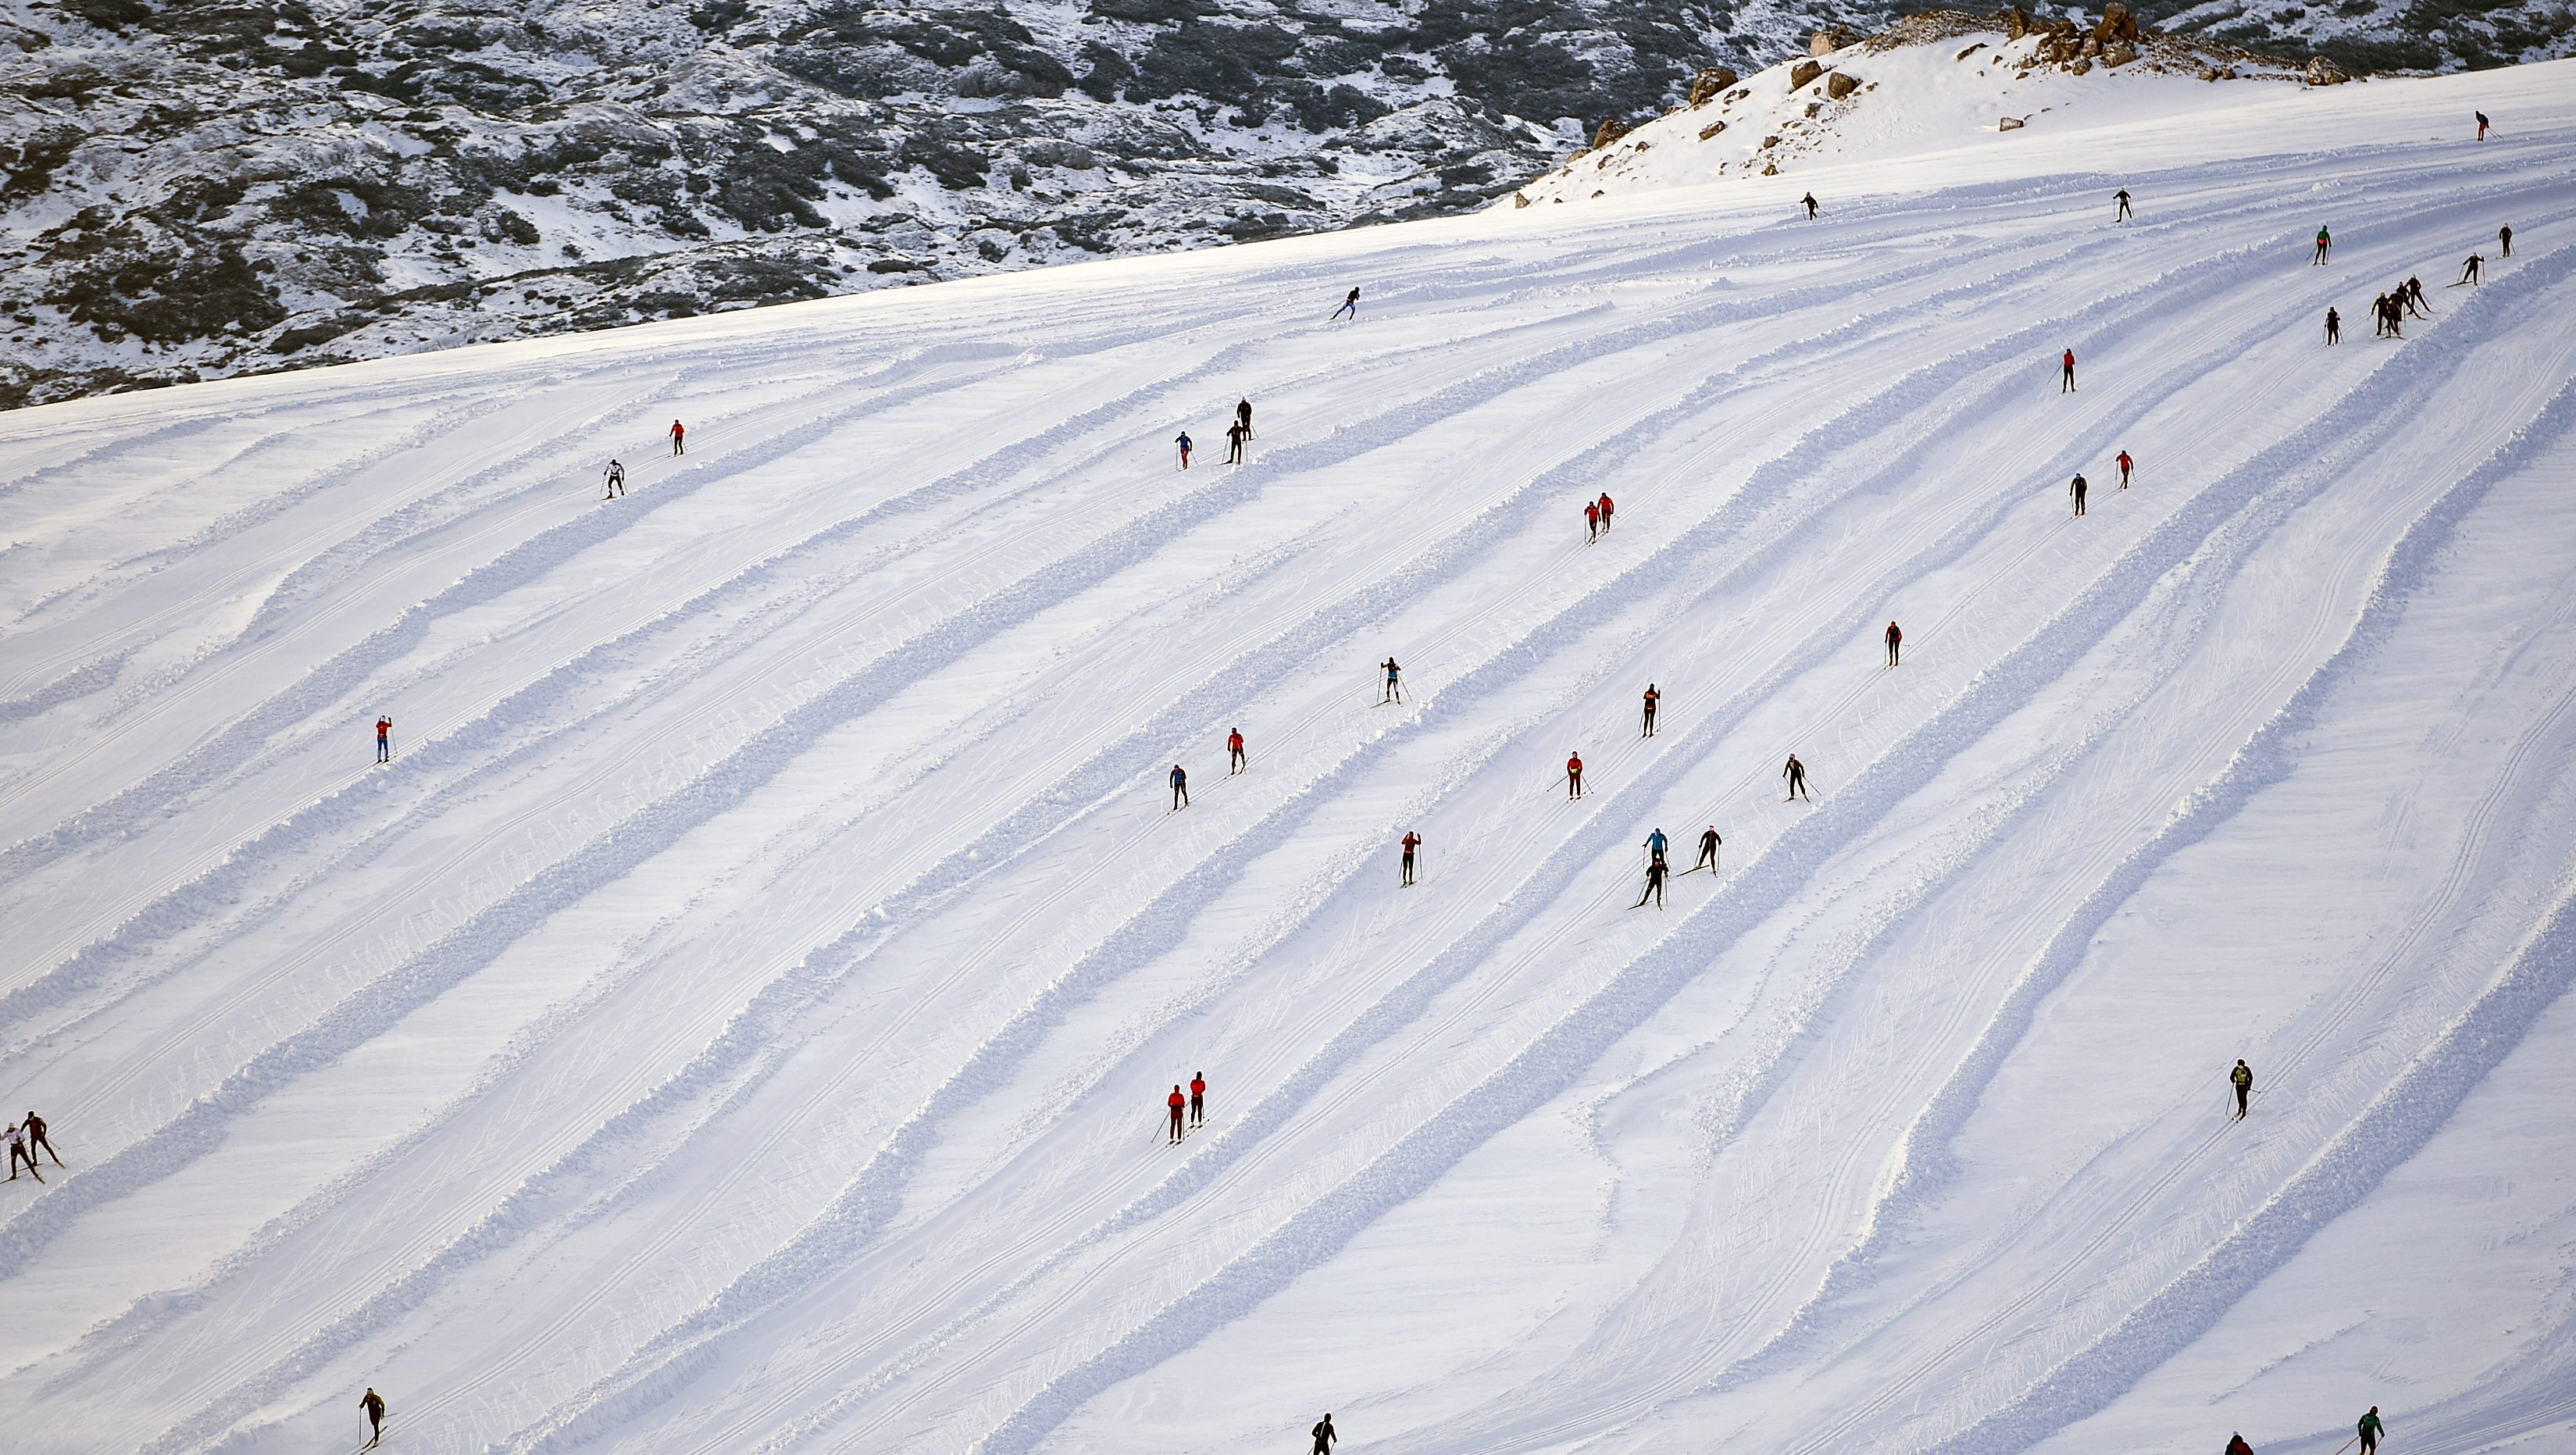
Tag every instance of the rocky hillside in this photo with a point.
(190, 188)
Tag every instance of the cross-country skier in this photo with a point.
(1810, 200)
(2334, 327)
(35, 1126)
(1654, 884)
(1243, 416)
(2075, 487)
(1183, 440)
(1394, 691)
(2325, 243)
(2121, 197)
(384, 739)
(2410, 294)
(374, 1404)
(1411, 842)
(2379, 312)
(1708, 842)
(1175, 1102)
(2236, 1445)
(2125, 464)
(1574, 775)
(1796, 773)
(1656, 843)
(2482, 126)
(1235, 762)
(1895, 644)
(1591, 521)
(1325, 1435)
(1652, 697)
(1606, 508)
(2469, 270)
(1350, 305)
(1235, 434)
(2414, 290)
(1180, 788)
(679, 438)
(2066, 373)
(1198, 1097)
(2242, 1078)
(18, 1153)
(2369, 1429)
(616, 473)
(2504, 239)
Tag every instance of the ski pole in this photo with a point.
(2346, 1445)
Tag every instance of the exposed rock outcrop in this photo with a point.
(1711, 83)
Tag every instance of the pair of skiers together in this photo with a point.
(25, 1138)
(1596, 516)
(1196, 1103)
(2078, 486)
(1235, 762)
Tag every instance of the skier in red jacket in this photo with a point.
(2066, 378)
(1574, 775)
(1176, 1101)
(1198, 1097)
(384, 739)
(679, 438)
(1411, 841)
(1895, 640)
(2126, 465)
(1591, 521)
(1235, 761)
(1606, 508)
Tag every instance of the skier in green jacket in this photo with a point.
(2242, 1078)
(2370, 1430)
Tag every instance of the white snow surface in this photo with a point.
(739, 1016)
(1909, 100)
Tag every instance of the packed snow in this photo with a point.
(740, 1014)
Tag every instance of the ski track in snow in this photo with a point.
(726, 1024)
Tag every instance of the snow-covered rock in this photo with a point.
(195, 189)
(1930, 82)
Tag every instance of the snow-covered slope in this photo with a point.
(738, 1018)
(1936, 83)
(201, 190)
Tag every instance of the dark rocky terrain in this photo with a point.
(190, 188)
